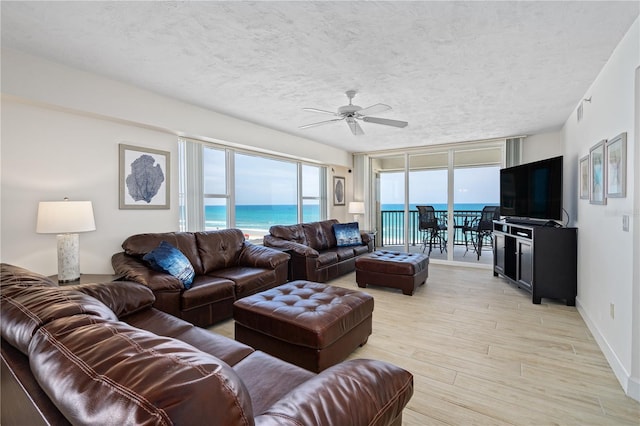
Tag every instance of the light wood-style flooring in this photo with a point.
(482, 354)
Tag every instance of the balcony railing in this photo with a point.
(392, 226)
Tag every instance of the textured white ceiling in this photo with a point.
(456, 71)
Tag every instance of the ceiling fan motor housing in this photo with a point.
(349, 109)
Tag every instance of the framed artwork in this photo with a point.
(617, 166)
(597, 173)
(338, 191)
(144, 178)
(584, 177)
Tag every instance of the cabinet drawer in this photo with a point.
(522, 232)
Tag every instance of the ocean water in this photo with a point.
(262, 217)
(456, 206)
(394, 223)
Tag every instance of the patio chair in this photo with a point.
(483, 228)
(431, 229)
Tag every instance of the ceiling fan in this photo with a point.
(350, 113)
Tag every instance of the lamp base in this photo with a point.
(68, 257)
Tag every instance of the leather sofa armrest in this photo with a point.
(296, 248)
(122, 297)
(262, 257)
(367, 240)
(358, 391)
(366, 237)
(133, 269)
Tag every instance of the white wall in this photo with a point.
(606, 253)
(60, 133)
(542, 146)
(49, 154)
(37, 80)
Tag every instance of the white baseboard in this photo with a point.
(630, 386)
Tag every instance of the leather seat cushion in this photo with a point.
(393, 262)
(359, 250)
(163, 324)
(248, 280)
(304, 313)
(206, 289)
(268, 379)
(327, 258)
(344, 253)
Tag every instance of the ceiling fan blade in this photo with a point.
(374, 109)
(320, 111)
(320, 123)
(354, 126)
(385, 121)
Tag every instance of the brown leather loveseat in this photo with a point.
(315, 255)
(100, 354)
(226, 268)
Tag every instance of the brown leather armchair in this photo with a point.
(315, 255)
(226, 268)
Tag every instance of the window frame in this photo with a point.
(191, 186)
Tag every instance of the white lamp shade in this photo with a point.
(356, 207)
(61, 217)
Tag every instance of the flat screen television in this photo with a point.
(533, 190)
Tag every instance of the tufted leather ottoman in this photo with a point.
(309, 324)
(405, 271)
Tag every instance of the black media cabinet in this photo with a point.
(540, 259)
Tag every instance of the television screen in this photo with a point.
(533, 190)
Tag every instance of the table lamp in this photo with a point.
(356, 208)
(66, 218)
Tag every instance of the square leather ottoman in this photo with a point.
(309, 324)
(405, 271)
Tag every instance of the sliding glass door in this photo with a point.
(389, 174)
(428, 186)
(456, 182)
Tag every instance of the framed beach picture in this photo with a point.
(597, 173)
(338, 191)
(617, 166)
(144, 178)
(584, 177)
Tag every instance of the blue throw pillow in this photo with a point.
(347, 234)
(167, 258)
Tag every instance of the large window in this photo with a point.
(215, 189)
(457, 180)
(313, 193)
(266, 194)
(249, 191)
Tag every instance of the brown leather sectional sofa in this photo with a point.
(101, 354)
(226, 268)
(315, 255)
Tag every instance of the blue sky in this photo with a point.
(259, 180)
(262, 180)
(472, 185)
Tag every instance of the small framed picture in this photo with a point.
(617, 166)
(584, 177)
(338, 191)
(597, 173)
(144, 178)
